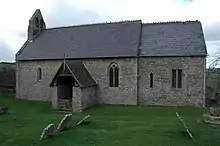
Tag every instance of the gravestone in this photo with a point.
(48, 132)
(3, 110)
(83, 120)
(189, 134)
(64, 123)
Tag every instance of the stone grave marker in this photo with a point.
(48, 132)
(3, 110)
(64, 123)
(184, 124)
(81, 121)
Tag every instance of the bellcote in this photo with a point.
(36, 24)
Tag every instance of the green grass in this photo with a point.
(110, 126)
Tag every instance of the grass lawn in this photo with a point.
(110, 126)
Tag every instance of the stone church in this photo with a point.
(127, 62)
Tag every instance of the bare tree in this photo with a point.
(214, 61)
(212, 76)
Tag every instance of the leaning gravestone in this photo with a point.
(48, 132)
(64, 122)
(184, 124)
(83, 120)
(3, 110)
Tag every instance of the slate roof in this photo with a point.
(173, 39)
(85, 41)
(77, 69)
(119, 39)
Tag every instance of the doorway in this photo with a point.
(65, 92)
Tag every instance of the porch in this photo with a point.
(73, 88)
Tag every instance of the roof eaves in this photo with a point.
(74, 75)
(22, 48)
(80, 58)
(26, 43)
(90, 75)
(172, 55)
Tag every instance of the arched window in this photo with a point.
(39, 74)
(113, 75)
(37, 23)
(151, 80)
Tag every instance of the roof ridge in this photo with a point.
(94, 24)
(173, 22)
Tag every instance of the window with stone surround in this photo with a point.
(113, 73)
(39, 74)
(151, 80)
(176, 78)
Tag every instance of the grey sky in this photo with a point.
(63, 14)
(71, 12)
(6, 53)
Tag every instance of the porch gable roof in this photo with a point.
(78, 71)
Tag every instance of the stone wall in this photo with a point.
(53, 97)
(192, 92)
(28, 86)
(18, 79)
(89, 97)
(77, 99)
(126, 93)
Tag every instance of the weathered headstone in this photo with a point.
(48, 132)
(81, 121)
(3, 110)
(64, 123)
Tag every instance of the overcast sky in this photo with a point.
(15, 15)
